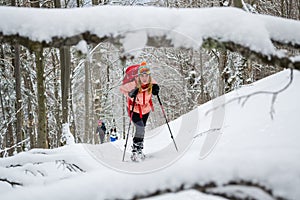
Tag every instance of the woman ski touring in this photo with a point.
(141, 90)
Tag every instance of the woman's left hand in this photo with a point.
(155, 89)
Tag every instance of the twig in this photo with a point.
(69, 166)
(208, 131)
(16, 145)
(245, 98)
(12, 183)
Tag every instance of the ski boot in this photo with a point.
(134, 155)
(141, 155)
(140, 146)
(137, 153)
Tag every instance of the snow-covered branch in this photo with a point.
(249, 34)
(272, 59)
(226, 190)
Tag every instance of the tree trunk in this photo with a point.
(87, 102)
(123, 63)
(57, 4)
(57, 104)
(282, 8)
(221, 66)
(18, 103)
(238, 3)
(65, 61)
(30, 125)
(30, 129)
(95, 2)
(2, 67)
(42, 115)
(103, 2)
(298, 6)
(97, 100)
(248, 72)
(9, 136)
(202, 96)
(289, 8)
(73, 124)
(9, 141)
(78, 3)
(34, 4)
(5, 142)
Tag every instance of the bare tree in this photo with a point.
(65, 61)
(42, 139)
(31, 104)
(6, 104)
(87, 102)
(18, 103)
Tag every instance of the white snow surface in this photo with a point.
(251, 147)
(184, 27)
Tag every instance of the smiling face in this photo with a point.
(144, 78)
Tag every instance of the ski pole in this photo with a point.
(131, 113)
(163, 111)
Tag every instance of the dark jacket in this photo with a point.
(103, 127)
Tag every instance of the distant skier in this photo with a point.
(142, 88)
(101, 129)
(113, 134)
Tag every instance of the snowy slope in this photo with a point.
(253, 155)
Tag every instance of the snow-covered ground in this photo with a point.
(256, 154)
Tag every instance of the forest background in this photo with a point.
(42, 88)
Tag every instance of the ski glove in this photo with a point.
(133, 92)
(155, 89)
